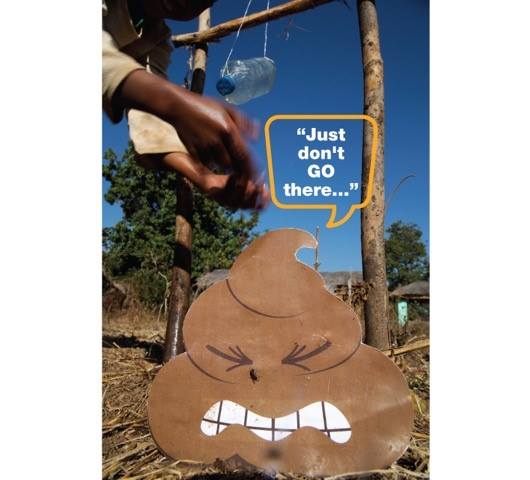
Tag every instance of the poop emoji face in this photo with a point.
(275, 374)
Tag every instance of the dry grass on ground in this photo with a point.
(131, 355)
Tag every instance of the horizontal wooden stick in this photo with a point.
(407, 348)
(223, 29)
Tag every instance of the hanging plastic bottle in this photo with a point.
(243, 80)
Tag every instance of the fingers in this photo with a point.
(228, 148)
(216, 133)
(248, 195)
(256, 196)
(239, 153)
(237, 148)
(264, 198)
(219, 156)
(247, 126)
(235, 192)
(238, 194)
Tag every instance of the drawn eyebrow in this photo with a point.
(294, 358)
(239, 357)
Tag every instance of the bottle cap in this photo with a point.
(226, 85)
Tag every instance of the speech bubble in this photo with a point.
(335, 219)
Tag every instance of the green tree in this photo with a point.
(406, 255)
(140, 246)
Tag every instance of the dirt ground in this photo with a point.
(132, 348)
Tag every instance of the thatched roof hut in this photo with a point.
(348, 286)
(332, 280)
(335, 280)
(413, 291)
(208, 279)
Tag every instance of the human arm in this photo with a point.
(227, 190)
(211, 131)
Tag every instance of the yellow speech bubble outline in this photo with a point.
(324, 206)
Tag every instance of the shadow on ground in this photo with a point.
(154, 350)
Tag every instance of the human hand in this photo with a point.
(230, 191)
(234, 193)
(215, 133)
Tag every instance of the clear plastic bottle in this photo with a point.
(244, 80)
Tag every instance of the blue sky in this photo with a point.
(319, 70)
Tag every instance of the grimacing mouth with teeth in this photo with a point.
(322, 416)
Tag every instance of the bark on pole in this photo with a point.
(373, 215)
(180, 295)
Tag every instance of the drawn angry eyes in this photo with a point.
(294, 358)
(238, 358)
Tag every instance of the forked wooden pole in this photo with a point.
(223, 29)
(180, 295)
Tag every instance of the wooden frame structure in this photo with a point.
(372, 217)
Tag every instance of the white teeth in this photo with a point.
(311, 416)
(232, 413)
(281, 435)
(320, 415)
(209, 428)
(334, 417)
(265, 434)
(213, 412)
(340, 437)
(255, 420)
(289, 421)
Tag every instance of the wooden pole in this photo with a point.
(411, 347)
(179, 298)
(200, 56)
(223, 29)
(180, 295)
(372, 216)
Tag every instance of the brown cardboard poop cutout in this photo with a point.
(275, 373)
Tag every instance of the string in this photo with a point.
(239, 31)
(266, 33)
(237, 36)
